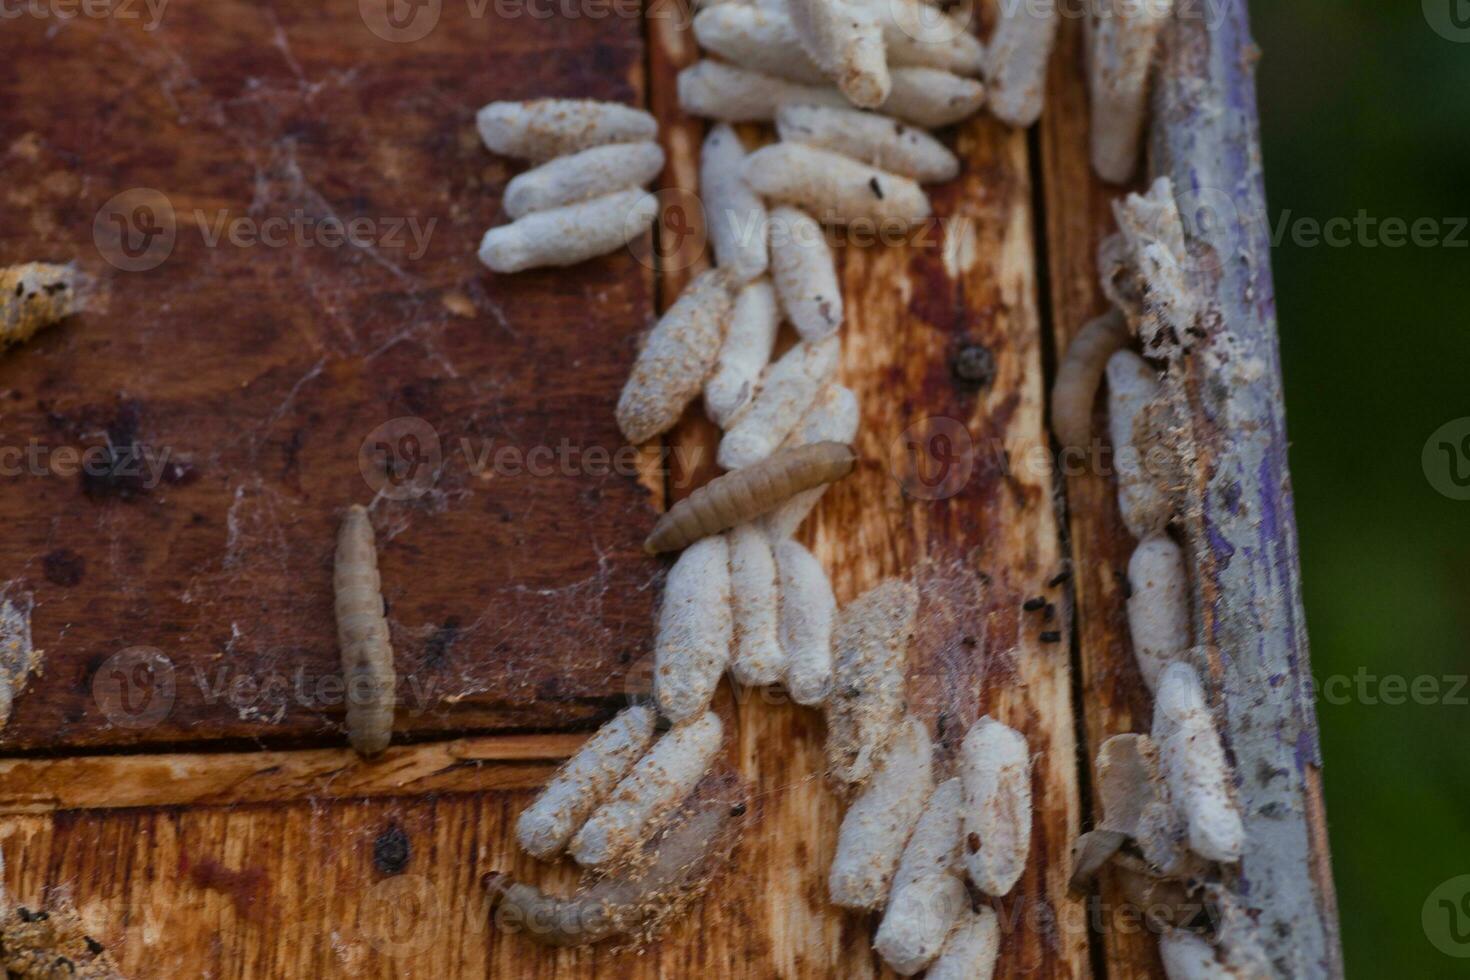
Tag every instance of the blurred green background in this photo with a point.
(1366, 107)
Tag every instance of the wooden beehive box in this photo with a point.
(176, 766)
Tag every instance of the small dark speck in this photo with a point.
(973, 842)
(970, 641)
(392, 850)
(64, 567)
(93, 946)
(738, 810)
(1034, 603)
(973, 364)
(1051, 636)
(1060, 577)
(877, 189)
(20, 288)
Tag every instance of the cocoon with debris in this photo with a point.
(971, 950)
(745, 353)
(655, 785)
(995, 765)
(808, 609)
(676, 358)
(35, 295)
(805, 273)
(877, 140)
(877, 825)
(788, 391)
(834, 189)
(1133, 385)
(734, 215)
(1154, 230)
(1194, 765)
(927, 895)
(545, 128)
(568, 235)
(1158, 609)
(695, 630)
(591, 173)
(845, 41)
(754, 600)
(1016, 60)
(871, 647)
(580, 786)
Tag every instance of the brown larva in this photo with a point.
(748, 493)
(1079, 375)
(680, 865)
(362, 635)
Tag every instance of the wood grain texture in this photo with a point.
(516, 585)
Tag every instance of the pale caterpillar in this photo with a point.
(745, 352)
(362, 635)
(877, 825)
(835, 189)
(804, 271)
(1133, 386)
(789, 389)
(927, 896)
(545, 128)
(1158, 606)
(1154, 231)
(1079, 375)
(871, 645)
(681, 862)
(845, 41)
(1123, 40)
(1194, 765)
(833, 417)
(995, 765)
(759, 657)
(590, 173)
(653, 787)
(569, 235)
(676, 358)
(743, 495)
(735, 217)
(577, 789)
(807, 611)
(691, 648)
(971, 950)
(1016, 60)
(759, 38)
(926, 97)
(33, 296)
(874, 139)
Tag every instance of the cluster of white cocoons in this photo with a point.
(584, 197)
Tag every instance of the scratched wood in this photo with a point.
(515, 582)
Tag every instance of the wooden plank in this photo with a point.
(1239, 523)
(1114, 696)
(517, 589)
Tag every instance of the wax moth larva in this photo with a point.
(676, 358)
(591, 173)
(734, 215)
(754, 600)
(738, 497)
(581, 785)
(833, 417)
(653, 787)
(871, 645)
(692, 645)
(807, 611)
(545, 128)
(744, 354)
(568, 235)
(1079, 375)
(877, 825)
(362, 635)
(835, 189)
(874, 139)
(786, 393)
(995, 765)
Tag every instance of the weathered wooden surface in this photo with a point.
(523, 599)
